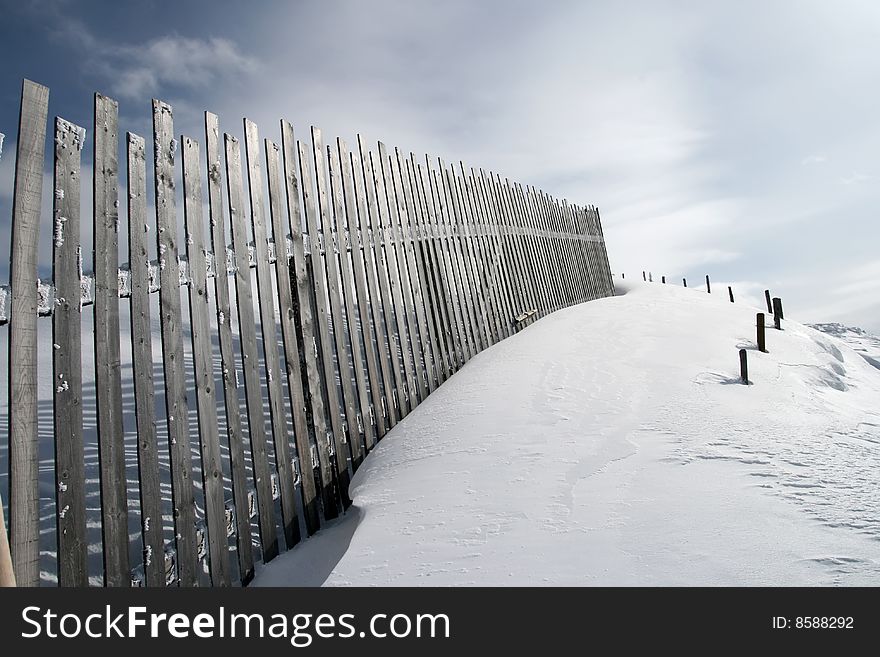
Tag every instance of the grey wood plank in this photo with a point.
(349, 291)
(530, 251)
(234, 431)
(429, 311)
(520, 247)
(459, 241)
(413, 296)
(325, 290)
(384, 260)
(336, 255)
(488, 289)
(604, 255)
(553, 246)
(434, 270)
(177, 411)
(438, 202)
(519, 299)
(203, 366)
(398, 276)
(473, 269)
(386, 413)
(24, 495)
(302, 275)
(108, 379)
(272, 358)
(493, 214)
(142, 365)
(546, 252)
(250, 361)
(292, 346)
(70, 506)
(359, 242)
(301, 279)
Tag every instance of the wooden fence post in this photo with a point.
(777, 313)
(730, 292)
(663, 280)
(684, 282)
(708, 287)
(762, 342)
(744, 366)
(24, 494)
(644, 276)
(769, 303)
(7, 576)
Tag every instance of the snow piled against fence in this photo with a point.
(612, 443)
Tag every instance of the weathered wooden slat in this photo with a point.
(458, 237)
(234, 433)
(374, 416)
(142, 366)
(386, 414)
(488, 291)
(427, 222)
(335, 251)
(24, 495)
(203, 367)
(606, 265)
(473, 272)
(546, 253)
(310, 368)
(67, 359)
(108, 378)
(412, 283)
(266, 300)
(399, 276)
(337, 159)
(165, 147)
(520, 247)
(384, 259)
(518, 298)
(531, 249)
(453, 296)
(259, 432)
(292, 345)
(502, 274)
(553, 247)
(430, 318)
(324, 294)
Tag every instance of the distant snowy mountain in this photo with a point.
(865, 344)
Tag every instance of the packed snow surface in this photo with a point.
(612, 443)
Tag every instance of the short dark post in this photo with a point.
(684, 282)
(644, 277)
(663, 280)
(730, 292)
(762, 340)
(744, 366)
(650, 277)
(622, 275)
(777, 313)
(708, 287)
(769, 305)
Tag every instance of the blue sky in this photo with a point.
(738, 139)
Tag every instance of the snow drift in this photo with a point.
(612, 443)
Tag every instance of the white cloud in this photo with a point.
(813, 159)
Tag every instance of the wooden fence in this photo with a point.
(312, 298)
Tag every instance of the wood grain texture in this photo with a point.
(353, 295)
(70, 508)
(272, 359)
(385, 409)
(374, 417)
(293, 346)
(259, 433)
(203, 366)
(234, 430)
(142, 365)
(176, 408)
(24, 496)
(108, 377)
(322, 459)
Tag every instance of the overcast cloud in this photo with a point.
(737, 139)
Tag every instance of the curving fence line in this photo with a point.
(200, 400)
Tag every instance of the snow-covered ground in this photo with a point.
(612, 443)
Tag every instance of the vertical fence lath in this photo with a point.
(389, 274)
